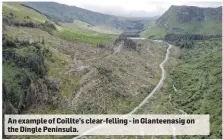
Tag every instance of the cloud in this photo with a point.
(136, 8)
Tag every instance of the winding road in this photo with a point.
(158, 86)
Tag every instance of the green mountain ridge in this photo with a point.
(186, 20)
(64, 13)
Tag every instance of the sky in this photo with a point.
(136, 8)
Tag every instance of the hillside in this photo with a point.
(186, 20)
(64, 13)
(197, 79)
(72, 69)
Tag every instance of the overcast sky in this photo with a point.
(135, 8)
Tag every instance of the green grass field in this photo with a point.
(85, 37)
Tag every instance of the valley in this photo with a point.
(60, 59)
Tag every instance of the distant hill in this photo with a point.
(65, 13)
(187, 20)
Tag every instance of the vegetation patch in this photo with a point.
(197, 79)
(25, 81)
(79, 37)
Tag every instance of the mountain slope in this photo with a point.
(187, 20)
(65, 13)
(10, 10)
(66, 64)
